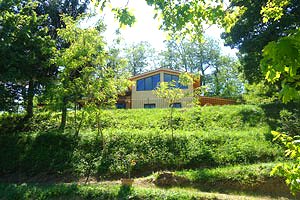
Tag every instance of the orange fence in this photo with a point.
(205, 101)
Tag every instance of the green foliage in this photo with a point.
(124, 16)
(226, 79)
(84, 76)
(281, 63)
(14, 123)
(139, 56)
(243, 174)
(205, 136)
(250, 34)
(259, 93)
(101, 191)
(26, 52)
(187, 17)
(290, 122)
(49, 152)
(274, 9)
(291, 170)
(153, 150)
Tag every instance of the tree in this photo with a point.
(171, 94)
(250, 34)
(55, 9)
(39, 20)
(225, 80)
(26, 50)
(192, 56)
(84, 75)
(281, 63)
(139, 57)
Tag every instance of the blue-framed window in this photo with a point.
(149, 83)
(174, 78)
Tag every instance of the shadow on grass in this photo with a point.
(44, 157)
(272, 112)
(125, 192)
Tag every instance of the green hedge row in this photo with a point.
(234, 117)
(90, 192)
(151, 150)
(243, 174)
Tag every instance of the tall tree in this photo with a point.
(84, 75)
(139, 56)
(225, 80)
(250, 34)
(192, 56)
(26, 48)
(27, 51)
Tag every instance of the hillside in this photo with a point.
(139, 142)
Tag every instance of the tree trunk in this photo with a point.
(202, 79)
(30, 95)
(63, 114)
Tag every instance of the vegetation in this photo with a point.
(98, 191)
(47, 59)
(209, 136)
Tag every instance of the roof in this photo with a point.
(154, 72)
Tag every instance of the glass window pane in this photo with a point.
(121, 105)
(175, 80)
(183, 86)
(155, 81)
(167, 77)
(152, 105)
(176, 105)
(140, 85)
(148, 83)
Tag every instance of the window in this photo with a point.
(169, 78)
(176, 105)
(151, 105)
(120, 105)
(140, 85)
(149, 83)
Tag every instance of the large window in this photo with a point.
(151, 105)
(120, 105)
(149, 83)
(174, 78)
(176, 105)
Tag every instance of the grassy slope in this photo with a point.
(209, 136)
(111, 192)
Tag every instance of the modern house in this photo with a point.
(141, 94)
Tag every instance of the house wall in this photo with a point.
(139, 98)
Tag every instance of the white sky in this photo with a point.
(146, 28)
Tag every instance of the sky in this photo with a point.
(146, 28)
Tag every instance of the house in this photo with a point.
(141, 93)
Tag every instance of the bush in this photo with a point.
(290, 122)
(206, 136)
(154, 150)
(90, 192)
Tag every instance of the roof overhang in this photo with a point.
(154, 72)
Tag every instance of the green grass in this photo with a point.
(243, 174)
(108, 192)
(205, 136)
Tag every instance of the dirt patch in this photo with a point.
(166, 179)
(44, 178)
(273, 187)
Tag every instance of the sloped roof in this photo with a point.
(154, 72)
